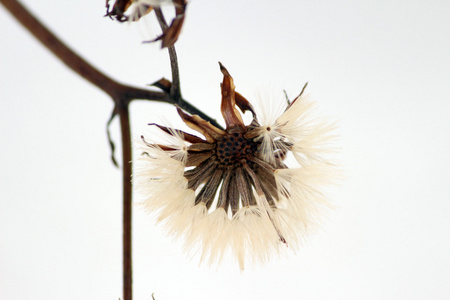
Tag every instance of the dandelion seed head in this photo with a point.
(230, 191)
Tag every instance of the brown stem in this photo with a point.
(175, 90)
(113, 88)
(70, 58)
(127, 200)
(122, 95)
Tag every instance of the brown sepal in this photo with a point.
(209, 131)
(243, 104)
(186, 136)
(223, 200)
(162, 147)
(232, 195)
(196, 158)
(164, 84)
(245, 188)
(198, 147)
(209, 190)
(199, 174)
(231, 115)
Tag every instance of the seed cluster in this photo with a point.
(233, 148)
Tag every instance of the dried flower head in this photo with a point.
(139, 8)
(230, 190)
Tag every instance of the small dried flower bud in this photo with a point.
(136, 9)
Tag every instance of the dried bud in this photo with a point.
(140, 8)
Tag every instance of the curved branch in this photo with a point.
(74, 61)
(122, 95)
(117, 91)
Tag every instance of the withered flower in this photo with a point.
(230, 190)
(136, 9)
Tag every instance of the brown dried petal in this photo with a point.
(186, 136)
(209, 131)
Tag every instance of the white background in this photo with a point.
(382, 68)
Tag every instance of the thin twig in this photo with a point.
(175, 90)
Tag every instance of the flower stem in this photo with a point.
(122, 95)
(127, 203)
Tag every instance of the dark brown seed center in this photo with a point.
(233, 148)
